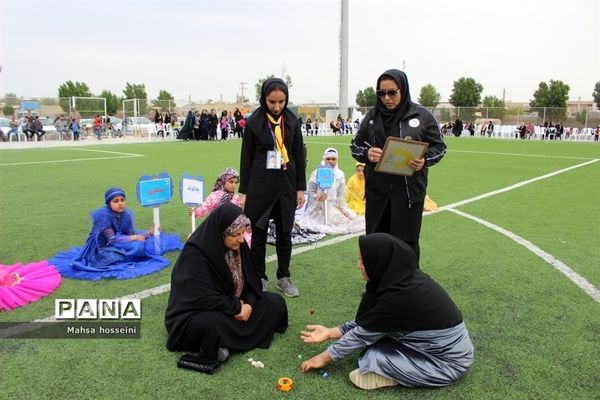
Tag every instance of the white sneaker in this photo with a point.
(370, 380)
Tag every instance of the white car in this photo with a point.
(117, 126)
(48, 125)
(142, 124)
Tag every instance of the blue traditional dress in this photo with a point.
(110, 253)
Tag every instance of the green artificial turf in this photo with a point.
(535, 332)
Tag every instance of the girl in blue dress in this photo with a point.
(114, 249)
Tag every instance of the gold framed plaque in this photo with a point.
(397, 153)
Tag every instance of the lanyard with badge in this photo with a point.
(274, 157)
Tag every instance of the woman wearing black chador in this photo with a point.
(216, 304)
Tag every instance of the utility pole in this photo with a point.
(344, 44)
(242, 90)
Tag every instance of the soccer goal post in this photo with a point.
(132, 108)
(89, 107)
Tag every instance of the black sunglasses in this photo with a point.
(391, 93)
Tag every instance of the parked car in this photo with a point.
(117, 126)
(48, 125)
(142, 124)
(86, 126)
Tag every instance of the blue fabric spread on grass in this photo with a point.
(102, 258)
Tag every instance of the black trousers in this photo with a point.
(283, 247)
(407, 227)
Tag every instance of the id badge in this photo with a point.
(272, 160)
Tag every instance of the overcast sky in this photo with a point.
(203, 49)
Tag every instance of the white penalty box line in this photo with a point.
(166, 287)
(117, 155)
(557, 264)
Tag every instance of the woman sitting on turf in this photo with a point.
(355, 190)
(113, 248)
(216, 304)
(411, 331)
(326, 209)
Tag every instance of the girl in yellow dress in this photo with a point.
(355, 190)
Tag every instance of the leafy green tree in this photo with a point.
(493, 107)
(366, 97)
(8, 110)
(11, 99)
(466, 93)
(72, 89)
(164, 100)
(550, 100)
(258, 85)
(137, 91)
(113, 102)
(596, 95)
(429, 97)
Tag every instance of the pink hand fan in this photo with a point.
(21, 284)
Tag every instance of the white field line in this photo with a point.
(511, 187)
(110, 152)
(573, 276)
(165, 288)
(493, 153)
(519, 154)
(120, 155)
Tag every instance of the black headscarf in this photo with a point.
(201, 279)
(268, 86)
(391, 118)
(399, 296)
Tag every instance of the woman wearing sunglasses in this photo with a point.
(394, 203)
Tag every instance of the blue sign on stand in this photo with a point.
(324, 177)
(152, 191)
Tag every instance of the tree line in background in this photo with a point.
(550, 98)
(71, 89)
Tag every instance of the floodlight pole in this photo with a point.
(343, 100)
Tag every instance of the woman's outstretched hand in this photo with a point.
(318, 361)
(315, 334)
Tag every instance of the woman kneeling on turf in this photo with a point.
(216, 304)
(412, 332)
